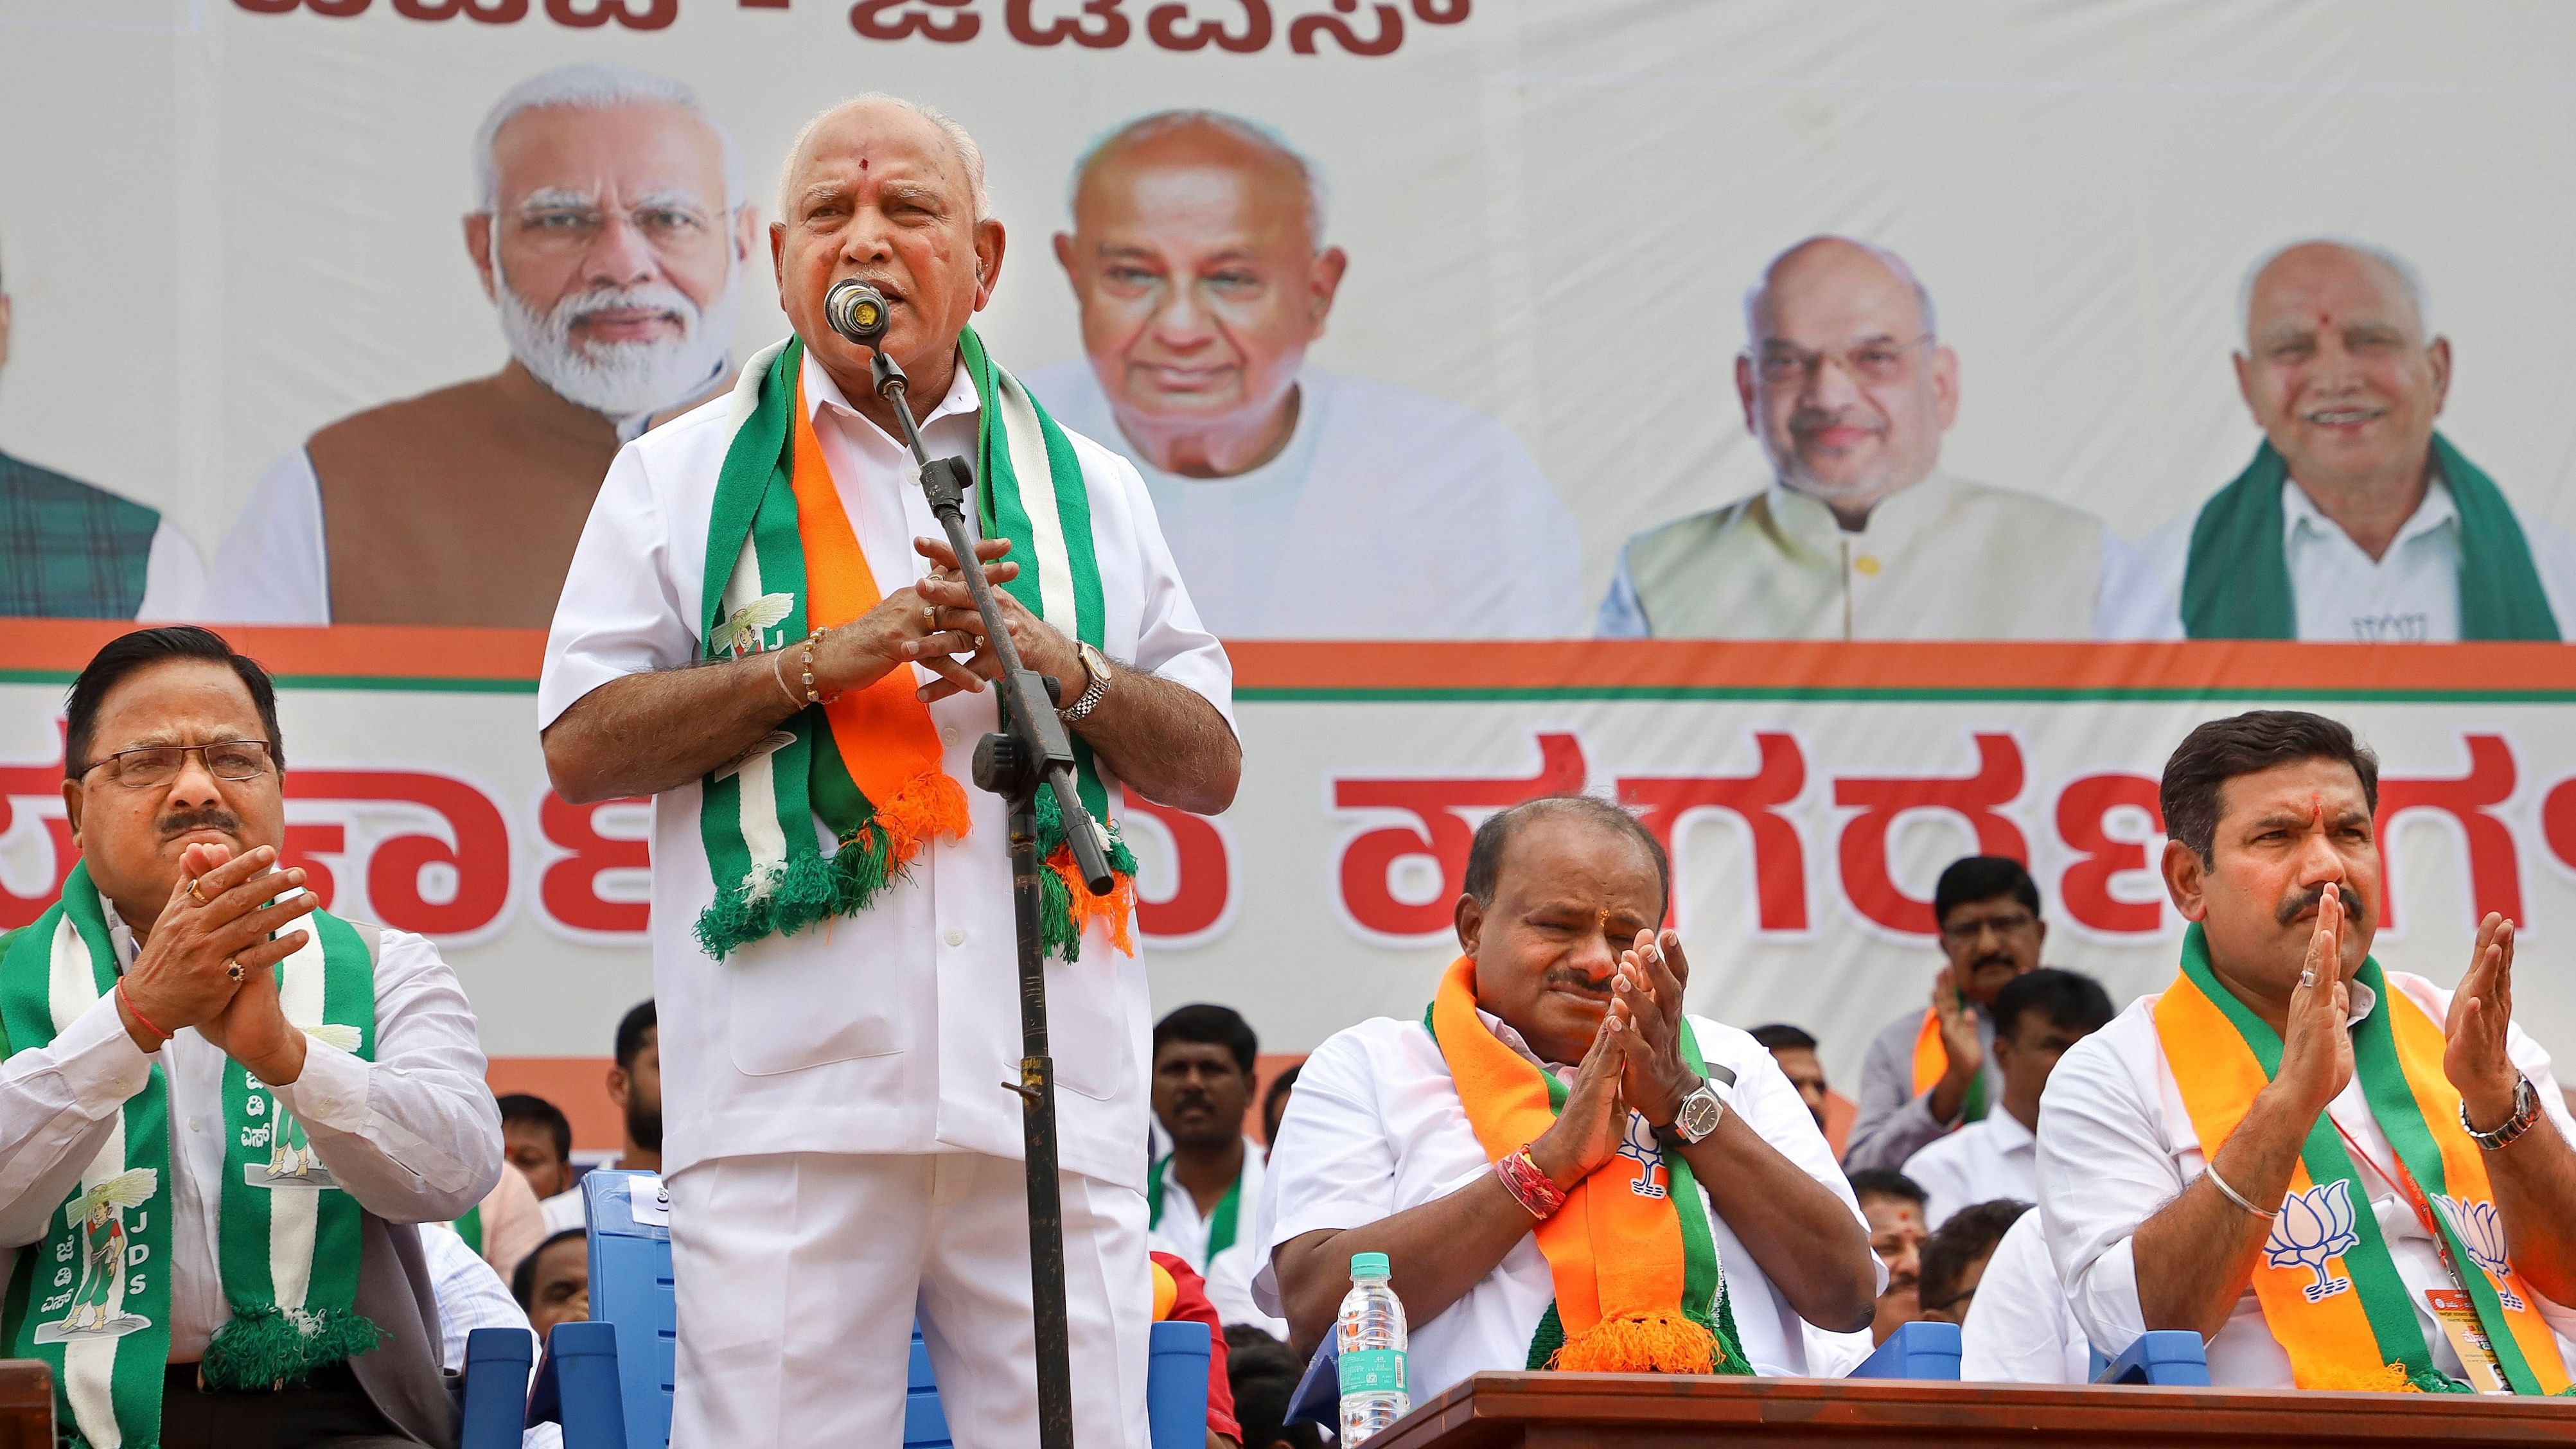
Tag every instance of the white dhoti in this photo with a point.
(799, 1276)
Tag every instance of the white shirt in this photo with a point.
(2116, 1145)
(1376, 1126)
(413, 1135)
(564, 1210)
(1388, 514)
(2019, 1329)
(1179, 1230)
(2409, 594)
(174, 578)
(1992, 1157)
(882, 1032)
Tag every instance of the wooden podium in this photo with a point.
(26, 1405)
(1651, 1411)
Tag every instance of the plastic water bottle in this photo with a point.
(1370, 1338)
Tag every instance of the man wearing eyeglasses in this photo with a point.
(1861, 535)
(612, 232)
(222, 1107)
(1933, 1071)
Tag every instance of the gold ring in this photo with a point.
(930, 617)
(194, 895)
(233, 969)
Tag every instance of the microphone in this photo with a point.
(857, 311)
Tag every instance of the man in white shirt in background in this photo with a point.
(1200, 1198)
(2018, 1328)
(1303, 504)
(2338, 1177)
(1845, 381)
(1955, 1256)
(840, 1149)
(2357, 521)
(612, 232)
(1392, 1146)
(2038, 1015)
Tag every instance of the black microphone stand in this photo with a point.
(1031, 753)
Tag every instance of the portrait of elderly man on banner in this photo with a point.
(1299, 501)
(2358, 521)
(611, 231)
(1862, 535)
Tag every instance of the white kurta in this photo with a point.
(2019, 1329)
(1376, 1126)
(2116, 1144)
(2409, 595)
(1178, 1229)
(1992, 1157)
(1389, 514)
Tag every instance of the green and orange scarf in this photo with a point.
(2329, 1290)
(782, 559)
(1639, 1288)
(1932, 1058)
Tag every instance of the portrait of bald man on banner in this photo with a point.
(1861, 534)
(2358, 521)
(611, 231)
(1301, 503)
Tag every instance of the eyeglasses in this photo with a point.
(1962, 932)
(1883, 360)
(150, 765)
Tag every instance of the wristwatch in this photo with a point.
(1700, 1112)
(2526, 1110)
(1096, 667)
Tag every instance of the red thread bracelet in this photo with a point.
(138, 1011)
(1529, 1186)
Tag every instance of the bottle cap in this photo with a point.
(1370, 1265)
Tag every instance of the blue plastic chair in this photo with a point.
(2169, 1356)
(495, 1405)
(630, 1288)
(1919, 1350)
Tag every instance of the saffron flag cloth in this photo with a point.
(1932, 1058)
(2329, 1291)
(782, 559)
(2236, 578)
(92, 1297)
(1639, 1288)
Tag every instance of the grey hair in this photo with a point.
(597, 88)
(970, 156)
(1885, 258)
(2407, 277)
(1243, 128)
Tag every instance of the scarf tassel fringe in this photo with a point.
(265, 1348)
(1658, 1343)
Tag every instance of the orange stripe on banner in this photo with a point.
(350, 651)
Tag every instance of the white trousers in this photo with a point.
(799, 1275)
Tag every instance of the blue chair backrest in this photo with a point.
(1918, 1350)
(497, 1361)
(1176, 1385)
(578, 1387)
(1318, 1399)
(630, 1289)
(2169, 1356)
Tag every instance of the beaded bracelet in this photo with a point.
(1532, 1188)
(811, 697)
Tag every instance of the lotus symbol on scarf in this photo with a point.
(2315, 1226)
(1640, 1145)
(2481, 1232)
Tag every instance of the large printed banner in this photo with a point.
(1810, 794)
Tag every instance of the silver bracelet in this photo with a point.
(2211, 1168)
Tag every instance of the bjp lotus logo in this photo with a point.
(2481, 1232)
(2314, 1227)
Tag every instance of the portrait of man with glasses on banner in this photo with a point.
(1861, 534)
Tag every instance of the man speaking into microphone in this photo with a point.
(760, 630)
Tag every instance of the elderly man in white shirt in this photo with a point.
(223, 1108)
(1862, 535)
(2357, 522)
(2038, 1015)
(2339, 1177)
(832, 912)
(1682, 1191)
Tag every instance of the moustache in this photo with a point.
(1808, 421)
(2356, 911)
(1572, 980)
(213, 818)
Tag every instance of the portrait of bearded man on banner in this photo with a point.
(611, 233)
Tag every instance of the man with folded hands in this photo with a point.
(1564, 1169)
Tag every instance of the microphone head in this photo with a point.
(856, 310)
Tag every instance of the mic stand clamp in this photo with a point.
(1030, 753)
